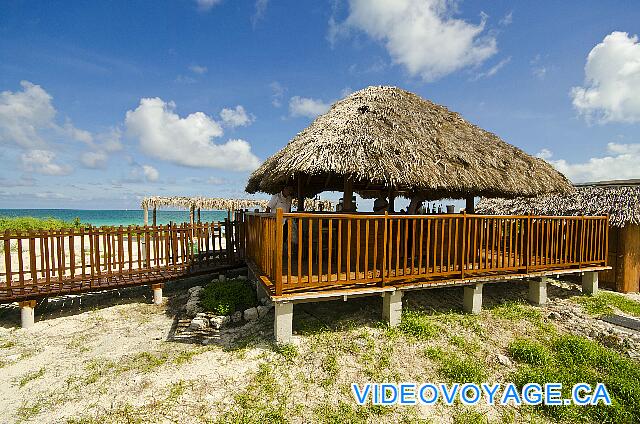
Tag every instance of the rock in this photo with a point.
(193, 308)
(236, 317)
(195, 289)
(553, 315)
(218, 321)
(222, 278)
(503, 360)
(198, 324)
(242, 277)
(266, 301)
(251, 314)
(263, 310)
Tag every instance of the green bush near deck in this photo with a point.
(28, 223)
(227, 297)
(573, 359)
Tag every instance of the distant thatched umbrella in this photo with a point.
(222, 204)
(383, 138)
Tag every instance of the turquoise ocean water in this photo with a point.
(113, 217)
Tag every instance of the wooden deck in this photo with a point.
(50, 263)
(296, 254)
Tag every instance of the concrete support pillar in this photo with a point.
(283, 322)
(392, 307)
(538, 291)
(472, 301)
(157, 293)
(590, 283)
(27, 315)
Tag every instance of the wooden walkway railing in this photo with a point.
(300, 252)
(49, 263)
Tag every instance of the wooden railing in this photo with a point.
(307, 251)
(41, 263)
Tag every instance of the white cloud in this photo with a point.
(94, 160)
(260, 10)
(421, 35)
(42, 162)
(612, 81)
(150, 173)
(621, 162)
(28, 120)
(304, 106)
(493, 70)
(24, 114)
(277, 93)
(197, 69)
(205, 5)
(185, 141)
(507, 19)
(237, 117)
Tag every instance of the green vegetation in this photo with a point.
(606, 302)
(345, 412)
(30, 376)
(420, 325)
(462, 370)
(228, 297)
(26, 223)
(288, 350)
(264, 400)
(573, 359)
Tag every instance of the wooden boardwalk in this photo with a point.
(49, 263)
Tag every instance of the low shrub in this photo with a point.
(225, 298)
(27, 223)
(530, 352)
(419, 325)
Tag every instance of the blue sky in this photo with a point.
(105, 102)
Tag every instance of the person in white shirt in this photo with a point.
(283, 200)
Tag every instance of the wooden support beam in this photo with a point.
(470, 206)
(392, 201)
(300, 194)
(347, 200)
(628, 270)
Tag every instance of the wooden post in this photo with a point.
(300, 194)
(470, 206)
(278, 255)
(628, 275)
(348, 194)
(154, 216)
(199, 221)
(384, 248)
(392, 201)
(464, 244)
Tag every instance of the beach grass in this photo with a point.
(28, 223)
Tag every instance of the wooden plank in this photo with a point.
(320, 251)
(32, 257)
(348, 258)
(329, 250)
(421, 239)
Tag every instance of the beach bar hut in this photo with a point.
(385, 141)
(618, 199)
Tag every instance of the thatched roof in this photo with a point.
(620, 200)
(388, 138)
(221, 204)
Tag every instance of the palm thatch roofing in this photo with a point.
(619, 199)
(385, 138)
(222, 204)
